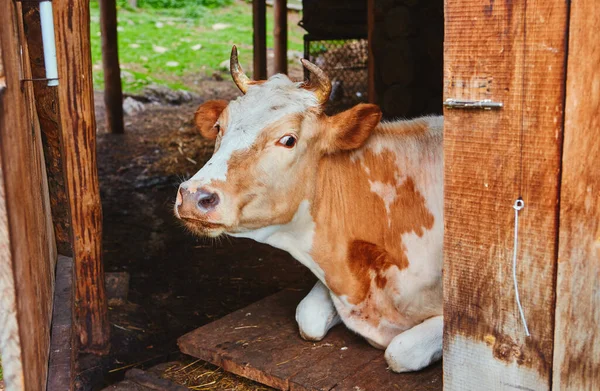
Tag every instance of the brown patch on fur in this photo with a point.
(356, 240)
(366, 258)
(206, 115)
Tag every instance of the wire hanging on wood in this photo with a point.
(519, 204)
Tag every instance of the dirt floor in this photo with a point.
(177, 282)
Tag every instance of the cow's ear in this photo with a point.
(206, 116)
(351, 128)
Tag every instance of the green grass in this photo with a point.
(1, 375)
(160, 45)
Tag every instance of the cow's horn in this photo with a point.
(239, 77)
(321, 83)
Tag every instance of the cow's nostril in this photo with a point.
(208, 201)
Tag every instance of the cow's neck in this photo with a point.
(295, 237)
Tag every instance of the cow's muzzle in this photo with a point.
(195, 204)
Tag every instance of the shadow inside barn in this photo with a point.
(177, 282)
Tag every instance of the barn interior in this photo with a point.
(102, 288)
(161, 282)
(177, 282)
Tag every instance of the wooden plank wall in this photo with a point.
(485, 347)
(10, 340)
(577, 333)
(48, 115)
(27, 256)
(63, 350)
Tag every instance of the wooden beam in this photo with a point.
(113, 94)
(577, 334)
(48, 112)
(62, 359)
(485, 346)
(26, 257)
(72, 24)
(11, 351)
(259, 22)
(280, 36)
(371, 94)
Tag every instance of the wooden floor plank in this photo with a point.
(256, 332)
(287, 356)
(249, 323)
(375, 377)
(261, 342)
(339, 364)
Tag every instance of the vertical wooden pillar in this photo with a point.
(259, 21)
(371, 60)
(485, 346)
(72, 24)
(577, 331)
(47, 106)
(280, 36)
(113, 94)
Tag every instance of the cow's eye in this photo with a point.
(218, 127)
(287, 141)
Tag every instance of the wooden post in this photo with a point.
(280, 36)
(259, 21)
(72, 24)
(48, 112)
(113, 94)
(26, 242)
(485, 346)
(577, 334)
(372, 96)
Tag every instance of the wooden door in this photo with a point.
(511, 52)
(27, 250)
(577, 334)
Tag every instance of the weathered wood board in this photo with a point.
(261, 342)
(61, 364)
(47, 106)
(577, 331)
(514, 53)
(27, 256)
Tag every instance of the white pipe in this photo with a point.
(49, 46)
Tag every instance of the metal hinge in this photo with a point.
(486, 104)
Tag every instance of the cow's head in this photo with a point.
(268, 143)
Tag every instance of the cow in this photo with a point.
(356, 200)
